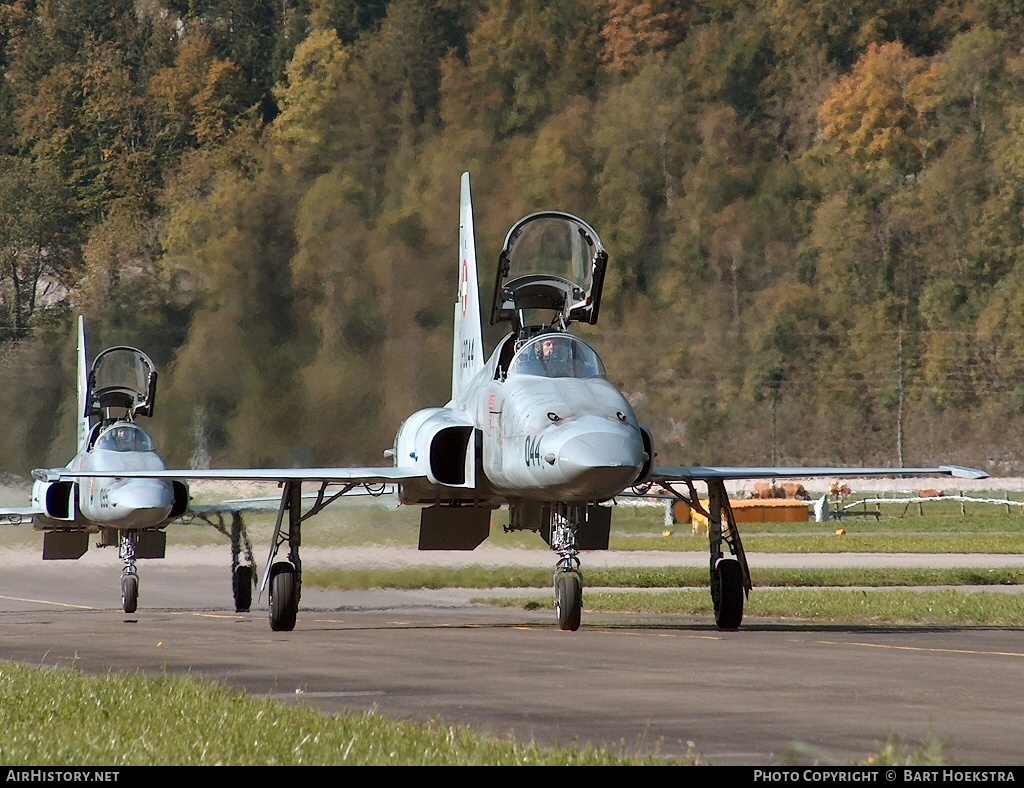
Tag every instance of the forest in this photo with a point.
(813, 211)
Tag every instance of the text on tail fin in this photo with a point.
(467, 354)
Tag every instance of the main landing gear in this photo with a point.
(243, 575)
(285, 577)
(730, 577)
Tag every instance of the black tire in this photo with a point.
(727, 593)
(568, 601)
(241, 585)
(130, 593)
(284, 597)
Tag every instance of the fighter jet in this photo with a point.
(118, 389)
(536, 426)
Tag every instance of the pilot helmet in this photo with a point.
(553, 348)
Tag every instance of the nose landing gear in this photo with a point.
(129, 576)
(568, 578)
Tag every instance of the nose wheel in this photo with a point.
(129, 591)
(568, 600)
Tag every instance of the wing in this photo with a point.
(352, 479)
(701, 473)
(17, 515)
(351, 476)
(267, 503)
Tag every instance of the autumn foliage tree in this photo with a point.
(877, 114)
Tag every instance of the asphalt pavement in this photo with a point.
(773, 693)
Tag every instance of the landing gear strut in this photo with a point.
(243, 575)
(129, 577)
(730, 577)
(285, 577)
(568, 578)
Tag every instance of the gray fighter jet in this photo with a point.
(536, 426)
(129, 513)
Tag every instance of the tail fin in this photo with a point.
(468, 354)
(83, 387)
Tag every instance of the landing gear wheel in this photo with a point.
(727, 593)
(568, 600)
(241, 585)
(284, 597)
(130, 592)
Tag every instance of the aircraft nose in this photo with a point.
(602, 463)
(141, 503)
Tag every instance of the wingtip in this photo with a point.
(960, 472)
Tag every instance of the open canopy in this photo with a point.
(121, 379)
(551, 261)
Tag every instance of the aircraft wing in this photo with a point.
(353, 476)
(701, 473)
(267, 503)
(17, 515)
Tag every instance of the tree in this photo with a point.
(876, 115)
(527, 57)
(635, 28)
(38, 242)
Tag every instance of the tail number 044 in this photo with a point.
(532, 450)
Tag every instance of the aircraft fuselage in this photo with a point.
(121, 503)
(564, 440)
(115, 502)
(548, 434)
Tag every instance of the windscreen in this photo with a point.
(557, 356)
(125, 437)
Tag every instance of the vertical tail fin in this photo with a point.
(467, 357)
(83, 386)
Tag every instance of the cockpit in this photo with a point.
(553, 263)
(555, 355)
(122, 383)
(125, 437)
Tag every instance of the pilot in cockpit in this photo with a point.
(554, 355)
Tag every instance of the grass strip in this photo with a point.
(56, 717)
(894, 606)
(650, 577)
(994, 543)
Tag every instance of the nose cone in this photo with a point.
(602, 463)
(142, 503)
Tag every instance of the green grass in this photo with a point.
(851, 542)
(60, 717)
(368, 521)
(650, 577)
(895, 606)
